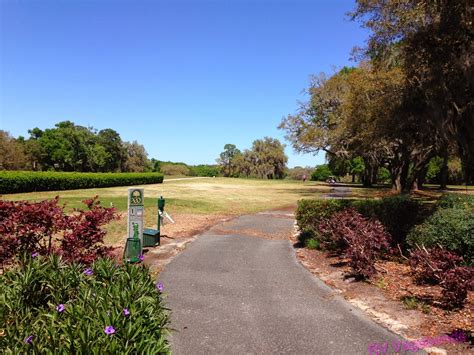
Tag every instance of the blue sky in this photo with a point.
(181, 77)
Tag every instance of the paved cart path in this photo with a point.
(233, 292)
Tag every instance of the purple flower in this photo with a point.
(35, 254)
(141, 257)
(88, 272)
(60, 308)
(29, 340)
(126, 312)
(109, 330)
(159, 286)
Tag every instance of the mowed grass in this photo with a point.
(219, 196)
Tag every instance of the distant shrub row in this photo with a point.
(28, 181)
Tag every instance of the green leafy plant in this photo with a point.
(451, 228)
(313, 244)
(321, 173)
(410, 302)
(48, 305)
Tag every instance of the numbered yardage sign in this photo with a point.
(135, 211)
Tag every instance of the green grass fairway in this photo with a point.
(223, 196)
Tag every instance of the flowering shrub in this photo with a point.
(360, 239)
(440, 266)
(48, 304)
(44, 228)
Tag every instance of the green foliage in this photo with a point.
(313, 244)
(321, 173)
(204, 170)
(310, 214)
(451, 228)
(227, 160)
(434, 169)
(266, 160)
(384, 175)
(26, 181)
(33, 320)
(456, 201)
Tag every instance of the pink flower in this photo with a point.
(60, 308)
(142, 257)
(126, 312)
(159, 286)
(109, 330)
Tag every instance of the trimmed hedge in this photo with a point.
(28, 181)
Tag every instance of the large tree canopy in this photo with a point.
(409, 99)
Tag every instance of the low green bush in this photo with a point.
(310, 213)
(49, 307)
(204, 170)
(28, 181)
(451, 228)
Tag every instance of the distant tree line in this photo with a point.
(265, 160)
(70, 147)
(408, 106)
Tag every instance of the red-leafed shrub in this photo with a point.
(440, 266)
(428, 265)
(361, 240)
(83, 236)
(456, 283)
(44, 228)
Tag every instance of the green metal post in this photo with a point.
(133, 247)
(161, 207)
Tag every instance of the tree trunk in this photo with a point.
(399, 173)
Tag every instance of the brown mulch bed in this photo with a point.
(399, 284)
(414, 311)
